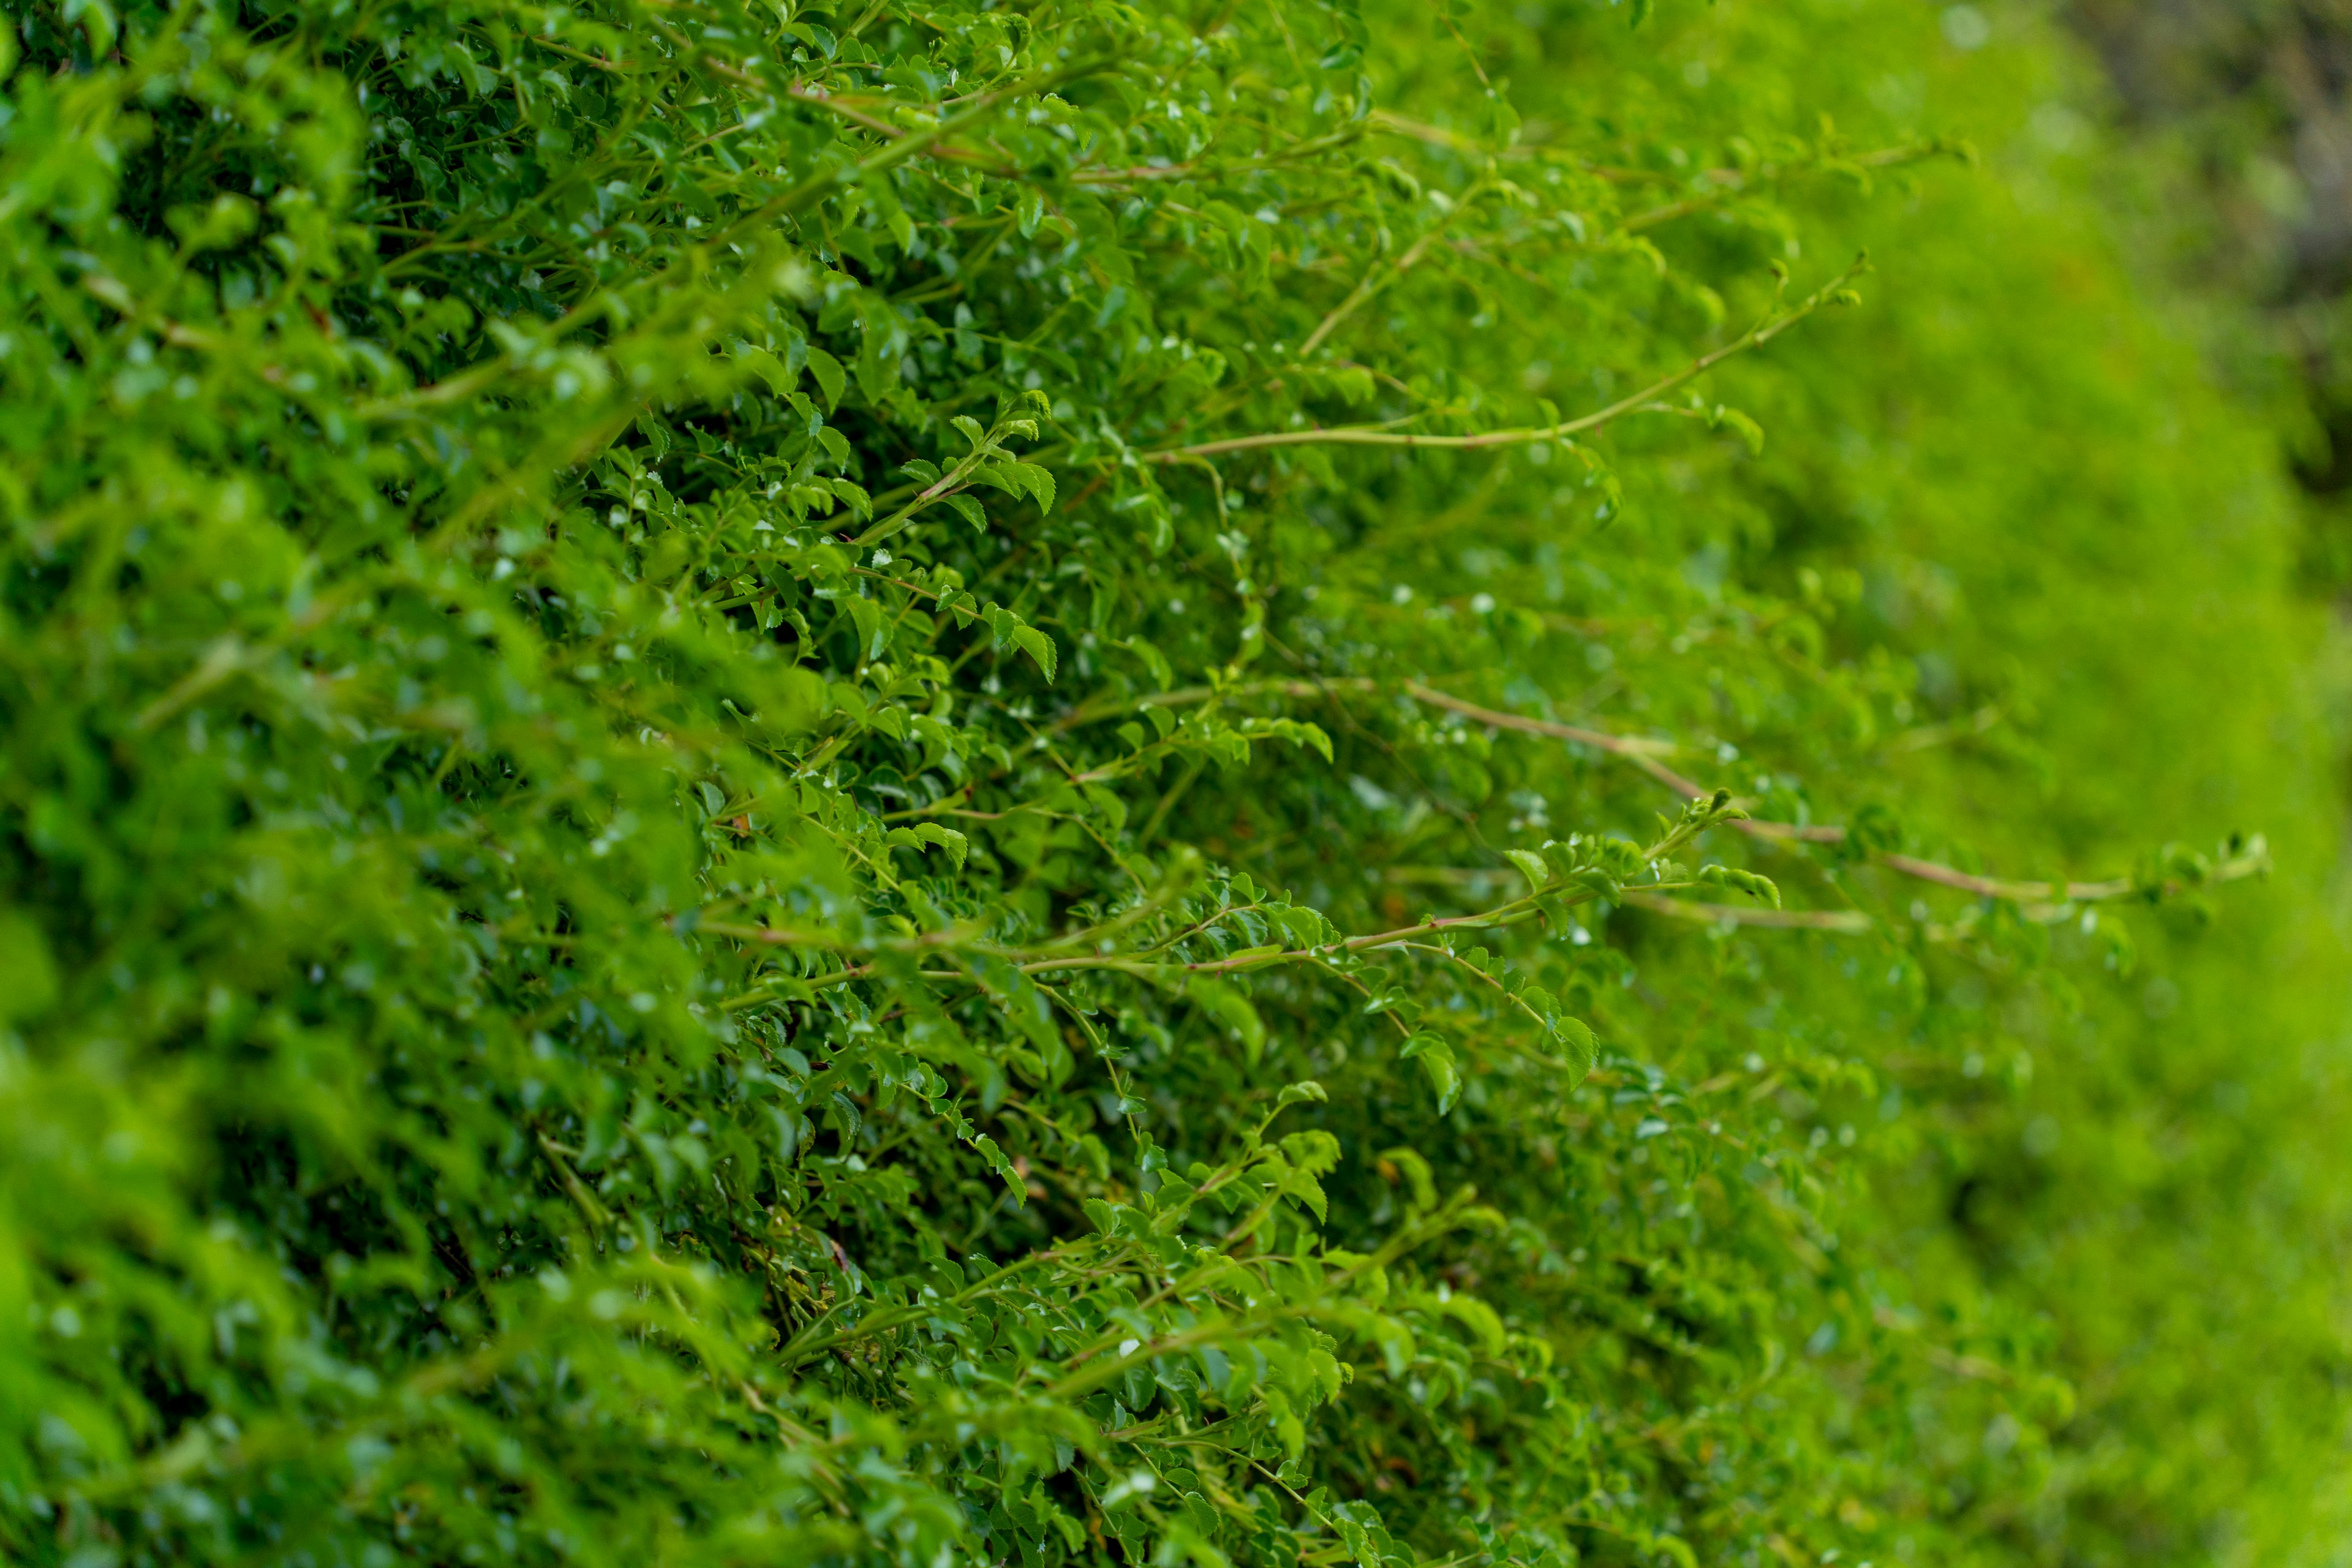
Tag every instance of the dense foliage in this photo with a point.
(1256, 783)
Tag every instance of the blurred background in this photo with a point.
(2246, 108)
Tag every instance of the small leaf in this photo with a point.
(1436, 1059)
(1229, 1004)
(996, 476)
(859, 501)
(948, 839)
(1577, 1036)
(1749, 433)
(1597, 882)
(1480, 1320)
(1039, 481)
(831, 379)
(1108, 802)
(1038, 647)
(1002, 1167)
(767, 367)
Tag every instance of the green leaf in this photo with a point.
(31, 986)
(1583, 1049)
(1480, 1318)
(767, 367)
(1232, 1008)
(799, 703)
(1038, 647)
(1038, 481)
(1003, 1168)
(948, 839)
(1436, 1059)
(831, 378)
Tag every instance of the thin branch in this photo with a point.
(1852, 921)
(1735, 185)
(1764, 331)
(1435, 135)
(1618, 746)
(818, 186)
(1643, 754)
(835, 104)
(1961, 729)
(1380, 278)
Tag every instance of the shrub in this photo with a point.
(925, 783)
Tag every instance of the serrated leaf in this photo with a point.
(767, 367)
(1436, 1059)
(860, 503)
(1038, 481)
(948, 839)
(831, 378)
(1583, 1047)
(1004, 1168)
(1038, 645)
(996, 477)
(1597, 882)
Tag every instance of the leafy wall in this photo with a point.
(1260, 783)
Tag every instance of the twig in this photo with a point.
(1380, 278)
(1764, 331)
(1643, 754)
(1735, 185)
(1853, 922)
(818, 186)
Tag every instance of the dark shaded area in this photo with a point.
(2259, 95)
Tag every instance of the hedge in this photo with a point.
(1241, 784)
